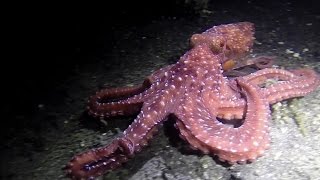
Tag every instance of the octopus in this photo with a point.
(226, 117)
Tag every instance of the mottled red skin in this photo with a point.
(195, 92)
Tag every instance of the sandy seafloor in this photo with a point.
(58, 128)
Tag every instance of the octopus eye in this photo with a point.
(224, 46)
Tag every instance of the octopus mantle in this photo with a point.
(221, 116)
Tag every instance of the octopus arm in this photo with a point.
(295, 83)
(231, 67)
(290, 84)
(98, 161)
(124, 101)
(233, 144)
(260, 62)
(95, 162)
(261, 76)
(116, 101)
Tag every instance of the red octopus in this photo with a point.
(202, 100)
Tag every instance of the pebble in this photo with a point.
(296, 55)
(205, 166)
(257, 173)
(277, 155)
(257, 42)
(206, 175)
(288, 51)
(280, 42)
(82, 144)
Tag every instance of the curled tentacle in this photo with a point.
(293, 83)
(304, 82)
(247, 142)
(261, 76)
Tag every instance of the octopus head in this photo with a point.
(233, 40)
